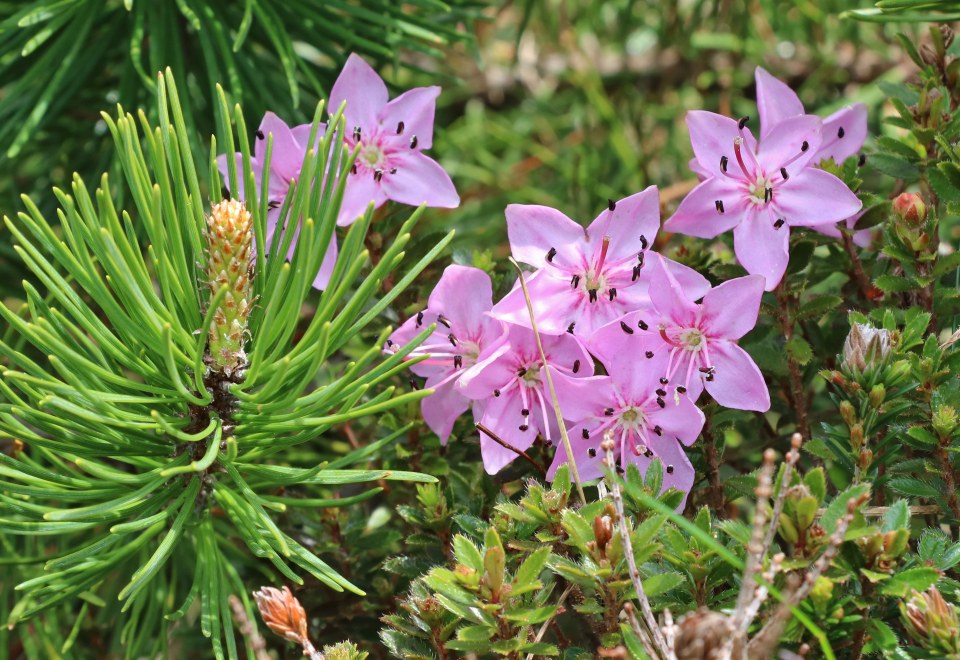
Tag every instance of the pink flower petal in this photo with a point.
(784, 144)
(712, 137)
(286, 156)
(276, 186)
(670, 454)
(669, 298)
(730, 310)
(698, 213)
(693, 284)
(301, 134)
(419, 180)
(737, 382)
(464, 295)
(415, 108)
(775, 102)
(479, 381)
(360, 190)
(761, 248)
(632, 217)
(814, 197)
(533, 230)
(555, 304)
(611, 342)
(853, 122)
(326, 267)
(580, 398)
(589, 467)
(363, 90)
(502, 416)
(442, 408)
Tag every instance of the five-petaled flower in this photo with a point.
(587, 277)
(760, 189)
(511, 383)
(465, 333)
(700, 341)
(391, 137)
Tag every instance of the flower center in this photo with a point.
(530, 375)
(692, 339)
(372, 156)
(759, 190)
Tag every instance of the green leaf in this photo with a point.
(901, 583)
(529, 571)
(838, 507)
(897, 516)
(661, 583)
(531, 616)
(799, 350)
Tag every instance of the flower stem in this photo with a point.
(859, 274)
(797, 394)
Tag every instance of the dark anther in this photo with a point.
(551, 253)
(400, 128)
(661, 392)
(658, 430)
(413, 142)
(273, 204)
(642, 324)
(611, 204)
(709, 378)
(575, 281)
(804, 146)
(661, 402)
(636, 273)
(719, 205)
(705, 370)
(585, 434)
(452, 338)
(593, 295)
(862, 160)
(389, 343)
(378, 175)
(743, 122)
(570, 328)
(496, 393)
(525, 412)
(591, 452)
(353, 169)
(393, 170)
(413, 385)
(669, 469)
(457, 361)
(443, 320)
(723, 164)
(783, 173)
(356, 133)
(840, 132)
(523, 427)
(612, 293)
(626, 328)
(608, 412)
(521, 371)
(643, 243)
(649, 355)
(681, 389)
(664, 380)
(778, 223)
(767, 195)
(259, 135)
(576, 366)
(648, 453)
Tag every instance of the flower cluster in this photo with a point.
(389, 138)
(628, 347)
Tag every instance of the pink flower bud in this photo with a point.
(911, 208)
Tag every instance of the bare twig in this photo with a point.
(793, 456)
(798, 396)
(756, 549)
(546, 624)
(506, 445)
(659, 642)
(247, 630)
(571, 461)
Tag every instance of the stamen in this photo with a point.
(804, 146)
(661, 402)
(611, 204)
(260, 135)
(658, 430)
(356, 133)
(612, 293)
(603, 253)
(496, 393)
(378, 175)
(608, 412)
(443, 320)
(642, 325)
(575, 281)
(643, 245)
(593, 295)
(723, 164)
(768, 195)
(840, 132)
(413, 385)
(661, 392)
(452, 338)
(636, 273)
(523, 428)
(709, 378)
(664, 381)
(783, 173)
(353, 169)
(457, 361)
(742, 123)
(413, 142)
(576, 366)
(570, 328)
(681, 389)
(585, 434)
(525, 412)
(551, 254)
(737, 143)
(626, 328)
(719, 205)
(419, 319)
(705, 370)
(669, 469)
(862, 160)
(591, 452)
(400, 128)
(393, 170)
(274, 204)
(640, 254)
(649, 355)
(778, 223)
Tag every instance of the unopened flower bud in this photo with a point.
(344, 651)
(856, 436)
(866, 457)
(910, 208)
(282, 613)
(944, 420)
(847, 413)
(932, 622)
(865, 346)
(230, 261)
(602, 532)
(877, 394)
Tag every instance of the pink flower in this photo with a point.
(587, 277)
(392, 136)
(844, 133)
(465, 334)
(511, 383)
(646, 418)
(699, 341)
(286, 159)
(759, 190)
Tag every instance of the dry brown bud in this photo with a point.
(283, 613)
